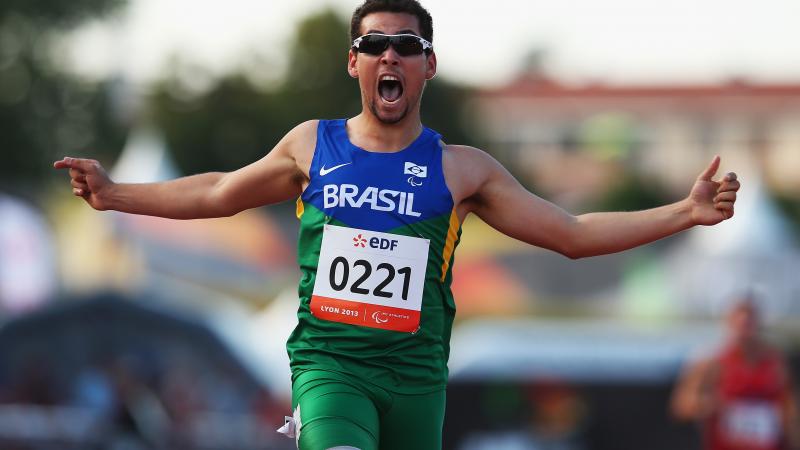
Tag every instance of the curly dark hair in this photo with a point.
(396, 6)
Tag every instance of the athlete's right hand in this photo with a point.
(88, 178)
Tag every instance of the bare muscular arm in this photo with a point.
(278, 176)
(482, 186)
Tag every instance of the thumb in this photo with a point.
(710, 170)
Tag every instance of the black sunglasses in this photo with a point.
(403, 44)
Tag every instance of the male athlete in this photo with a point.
(743, 395)
(381, 200)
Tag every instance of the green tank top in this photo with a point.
(376, 245)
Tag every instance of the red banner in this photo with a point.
(365, 314)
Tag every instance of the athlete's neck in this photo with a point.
(367, 132)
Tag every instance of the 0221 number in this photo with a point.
(356, 288)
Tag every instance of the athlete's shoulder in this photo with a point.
(465, 154)
(300, 140)
(458, 149)
(466, 169)
(298, 145)
(469, 160)
(304, 131)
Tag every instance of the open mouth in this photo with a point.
(390, 88)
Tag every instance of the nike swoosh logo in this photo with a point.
(323, 171)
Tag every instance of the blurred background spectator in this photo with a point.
(742, 394)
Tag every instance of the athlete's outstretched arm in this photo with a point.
(276, 177)
(505, 205)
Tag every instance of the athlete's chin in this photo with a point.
(392, 120)
(390, 115)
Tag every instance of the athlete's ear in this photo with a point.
(430, 70)
(351, 64)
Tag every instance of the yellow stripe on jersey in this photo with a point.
(450, 243)
(300, 208)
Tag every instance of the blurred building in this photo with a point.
(576, 144)
(548, 131)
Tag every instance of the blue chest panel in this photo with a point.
(377, 191)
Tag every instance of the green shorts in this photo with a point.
(338, 410)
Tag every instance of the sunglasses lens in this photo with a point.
(404, 45)
(373, 44)
(407, 45)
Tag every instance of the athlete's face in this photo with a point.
(391, 85)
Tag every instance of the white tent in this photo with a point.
(145, 158)
(754, 252)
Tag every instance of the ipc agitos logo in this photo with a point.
(416, 171)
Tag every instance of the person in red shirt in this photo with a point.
(742, 396)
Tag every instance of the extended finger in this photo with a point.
(64, 163)
(710, 170)
(728, 196)
(83, 165)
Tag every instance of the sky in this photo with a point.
(483, 43)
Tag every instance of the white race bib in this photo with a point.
(370, 278)
(754, 423)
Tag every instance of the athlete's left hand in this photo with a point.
(712, 201)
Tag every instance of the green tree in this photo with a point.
(235, 122)
(43, 112)
(632, 192)
(790, 206)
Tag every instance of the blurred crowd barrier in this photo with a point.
(111, 372)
